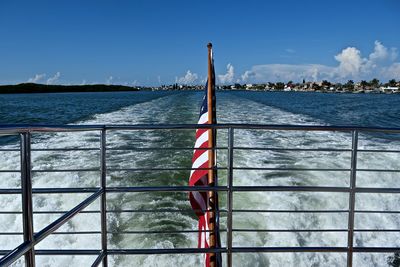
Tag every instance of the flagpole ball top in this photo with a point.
(209, 45)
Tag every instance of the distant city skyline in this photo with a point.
(151, 43)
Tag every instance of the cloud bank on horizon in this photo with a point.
(189, 78)
(41, 78)
(381, 63)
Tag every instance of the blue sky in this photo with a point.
(161, 42)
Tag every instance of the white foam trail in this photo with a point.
(293, 159)
(230, 109)
(142, 113)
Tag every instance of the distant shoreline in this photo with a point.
(33, 88)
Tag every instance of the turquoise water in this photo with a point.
(182, 107)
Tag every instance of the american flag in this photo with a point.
(199, 175)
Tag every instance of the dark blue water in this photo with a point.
(63, 108)
(366, 110)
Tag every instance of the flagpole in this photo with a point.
(211, 158)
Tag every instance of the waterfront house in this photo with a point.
(249, 86)
(390, 89)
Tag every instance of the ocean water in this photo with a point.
(182, 107)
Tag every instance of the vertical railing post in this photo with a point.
(230, 196)
(352, 198)
(26, 194)
(103, 200)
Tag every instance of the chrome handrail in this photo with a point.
(31, 238)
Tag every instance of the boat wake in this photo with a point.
(123, 226)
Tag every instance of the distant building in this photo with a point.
(389, 89)
(287, 88)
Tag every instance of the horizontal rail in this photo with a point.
(119, 211)
(254, 230)
(166, 189)
(163, 232)
(377, 190)
(222, 250)
(288, 211)
(162, 148)
(61, 252)
(10, 171)
(375, 211)
(67, 170)
(66, 149)
(120, 169)
(113, 169)
(48, 212)
(288, 230)
(314, 249)
(317, 149)
(58, 233)
(52, 190)
(191, 148)
(377, 170)
(205, 189)
(164, 210)
(253, 250)
(10, 191)
(315, 211)
(290, 169)
(378, 151)
(220, 211)
(164, 251)
(18, 128)
(290, 188)
(315, 189)
(204, 231)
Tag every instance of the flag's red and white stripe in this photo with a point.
(199, 177)
(201, 165)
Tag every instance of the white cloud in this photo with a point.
(290, 50)
(350, 62)
(380, 52)
(393, 54)
(351, 65)
(249, 74)
(228, 76)
(37, 79)
(189, 78)
(54, 79)
(391, 72)
(286, 72)
(203, 80)
(109, 80)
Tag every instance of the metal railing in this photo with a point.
(31, 239)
